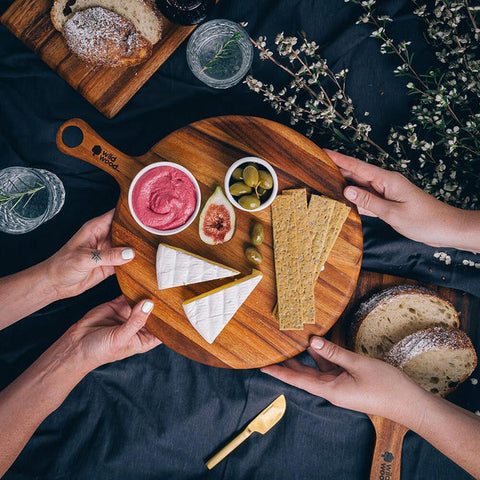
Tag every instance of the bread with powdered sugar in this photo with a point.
(143, 14)
(387, 317)
(102, 37)
(438, 358)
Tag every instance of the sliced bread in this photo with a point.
(142, 13)
(438, 358)
(392, 314)
(102, 37)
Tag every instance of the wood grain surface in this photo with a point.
(387, 455)
(107, 89)
(207, 148)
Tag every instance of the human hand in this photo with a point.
(86, 259)
(110, 332)
(405, 207)
(350, 380)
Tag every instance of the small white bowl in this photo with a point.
(172, 231)
(264, 164)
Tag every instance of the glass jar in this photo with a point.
(220, 53)
(185, 12)
(28, 198)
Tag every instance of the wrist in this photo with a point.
(42, 283)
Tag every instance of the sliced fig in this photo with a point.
(217, 220)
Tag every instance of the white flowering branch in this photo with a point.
(439, 148)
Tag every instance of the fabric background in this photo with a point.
(161, 415)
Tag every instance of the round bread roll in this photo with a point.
(102, 37)
(142, 13)
(394, 313)
(438, 358)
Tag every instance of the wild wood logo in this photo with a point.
(105, 157)
(386, 467)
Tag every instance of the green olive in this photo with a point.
(257, 234)
(249, 202)
(250, 176)
(265, 180)
(253, 256)
(239, 188)
(237, 173)
(260, 191)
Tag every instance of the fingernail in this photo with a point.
(128, 254)
(350, 193)
(147, 306)
(317, 343)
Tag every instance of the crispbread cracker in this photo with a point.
(320, 211)
(287, 272)
(306, 264)
(337, 219)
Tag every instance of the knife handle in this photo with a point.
(227, 449)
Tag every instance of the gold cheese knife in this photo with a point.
(262, 423)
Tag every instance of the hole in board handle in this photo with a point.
(72, 136)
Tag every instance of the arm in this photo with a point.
(107, 333)
(85, 260)
(367, 385)
(408, 209)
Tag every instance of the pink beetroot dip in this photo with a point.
(164, 198)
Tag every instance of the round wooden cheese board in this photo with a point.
(207, 148)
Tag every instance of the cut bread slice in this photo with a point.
(391, 315)
(176, 267)
(438, 358)
(142, 13)
(210, 312)
(102, 37)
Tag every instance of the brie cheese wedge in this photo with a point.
(177, 267)
(210, 312)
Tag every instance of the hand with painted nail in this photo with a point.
(107, 333)
(87, 258)
(347, 379)
(110, 332)
(406, 208)
(367, 385)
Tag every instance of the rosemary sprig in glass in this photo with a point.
(19, 195)
(224, 51)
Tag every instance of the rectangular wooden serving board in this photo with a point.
(107, 89)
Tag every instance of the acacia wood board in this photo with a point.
(387, 454)
(207, 148)
(107, 89)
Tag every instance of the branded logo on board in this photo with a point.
(388, 457)
(105, 157)
(386, 468)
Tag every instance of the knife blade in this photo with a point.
(262, 423)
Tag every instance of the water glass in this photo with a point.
(28, 198)
(220, 53)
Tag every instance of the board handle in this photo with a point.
(387, 456)
(95, 150)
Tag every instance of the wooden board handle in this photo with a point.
(227, 449)
(387, 456)
(95, 150)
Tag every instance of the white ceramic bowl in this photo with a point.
(266, 166)
(172, 231)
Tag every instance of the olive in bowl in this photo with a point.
(251, 184)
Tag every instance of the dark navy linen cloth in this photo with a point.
(160, 415)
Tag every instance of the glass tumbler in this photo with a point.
(28, 198)
(220, 53)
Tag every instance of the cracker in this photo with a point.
(339, 215)
(287, 272)
(306, 264)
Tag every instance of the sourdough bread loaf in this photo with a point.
(102, 37)
(388, 316)
(141, 13)
(438, 358)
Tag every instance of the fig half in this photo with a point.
(217, 220)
